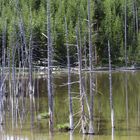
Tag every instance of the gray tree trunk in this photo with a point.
(137, 19)
(22, 35)
(85, 53)
(91, 128)
(69, 80)
(13, 100)
(30, 84)
(83, 123)
(125, 34)
(2, 75)
(110, 87)
(50, 91)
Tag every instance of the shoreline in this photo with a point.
(73, 69)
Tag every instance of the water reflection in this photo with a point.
(127, 109)
(138, 112)
(113, 133)
(71, 135)
(14, 138)
(126, 106)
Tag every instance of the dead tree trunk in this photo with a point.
(91, 128)
(110, 87)
(83, 123)
(24, 46)
(50, 92)
(137, 19)
(85, 53)
(2, 76)
(125, 34)
(22, 34)
(69, 80)
(31, 93)
(13, 96)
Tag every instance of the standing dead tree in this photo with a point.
(91, 128)
(125, 33)
(22, 55)
(110, 87)
(85, 53)
(30, 84)
(13, 95)
(2, 75)
(50, 90)
(24, 52)
(83, 120)
(69, 80)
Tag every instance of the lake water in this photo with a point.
(126, 102)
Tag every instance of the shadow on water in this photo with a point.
(22, 118)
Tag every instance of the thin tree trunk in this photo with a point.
(83, 123)
(37, 92)
(69, 80)
(31, 94)
(85, 53)
(110, 87)
(95, 55)
(24, 46)
(13, 85)
(137, 21)
(91, 128)
(2, 76)
(50, 92)
(134, 17)
(125, 34)
(22, 35)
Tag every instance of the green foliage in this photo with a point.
(44, 115)
(107, 24)
(63, 127)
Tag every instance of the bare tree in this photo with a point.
(50, 91)
(91, 128)
(69, 80)
(30, 84)
(85, 53)
(2, 75)
(137, 21)
(13, 96)
(110, 86)
(83, 123)
(125, 34)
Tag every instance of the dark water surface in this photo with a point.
(126, 101)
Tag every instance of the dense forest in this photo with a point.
(23, 23)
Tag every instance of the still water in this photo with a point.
(126, 102)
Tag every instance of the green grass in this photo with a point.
(44, 115)
(63, 127)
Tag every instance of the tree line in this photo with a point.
(113, 20)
